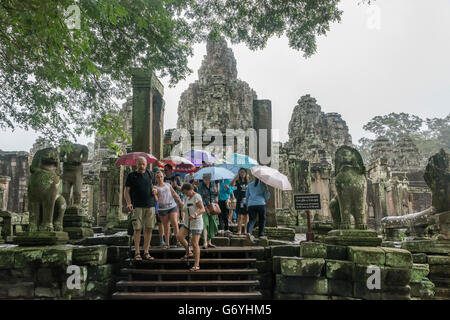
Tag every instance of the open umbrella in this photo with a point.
(241, 161)
(215, 172)
(178, 164)
(199, 157)
(271, 177)
(129, 159)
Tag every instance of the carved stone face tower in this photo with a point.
(218, 98)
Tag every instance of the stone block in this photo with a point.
(70, 288)
(361, 273)
(440, 260)
(367, 255)
(24, 290)
(265, 280)
(25, 257)
(419, 271)
(419, 258)
(264, 266)
(441, 270)
(424, 289)
(41, 238)
(100, 273)
(313, 250)
(57, 256)
(44, 292)
(287, 296)
(396, 293)
(286, 250)
(353, 237)
(98, 290)
(360, 290)
(301, 285)
(92, 255)
(6, 257)
(396, 276)
(341, 288)
(399, 258)
(442, 293)
(427, 246)
(276, 262)
(24, 274)
(343, 298)
(340, 270)
(302, 267)
(238, 242)
(221, 241)
(315, 297)
(79, 232)
(335, 252)
(5, 274)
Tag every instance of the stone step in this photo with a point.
(187, 284)
(178, 261)
(186, 295)
(188, 272)
(218, 252)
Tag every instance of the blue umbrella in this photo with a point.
(241, 161)
(216, 173)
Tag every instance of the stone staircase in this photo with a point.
(226, 273)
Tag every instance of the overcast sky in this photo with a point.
(392, 56)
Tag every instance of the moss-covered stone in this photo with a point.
(25, 257)
(92, 255)
(399, 258)
(335, 252)
(441, 270)
(287, 250)
(419, 258)
(367, 255)
(23, 290)
(395, 276)
(341, 288)
(396, 293)
(423, 289)
(57, 256)
(75, 292)
(360, 290)
(276, 264)
(45, 292)
(360, 273)
(100, 273)
(302, 267)
(433, 259)
(419, 271)
(301, 285)
(315, 297)
(6, 257)
(340, 270)
(427, 246)
(313, 250)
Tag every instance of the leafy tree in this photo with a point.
(428, 140)
(63, 82)
(394, 125)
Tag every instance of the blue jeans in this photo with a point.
(253, 212)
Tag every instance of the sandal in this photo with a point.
(205, 246)
(165, 247)
(138, 257)
(211, 245)
(147, 256)
(186, 256)
(194, 268)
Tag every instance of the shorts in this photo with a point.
(241, 211)
(193, 231)
(143, 217)
(164, 212)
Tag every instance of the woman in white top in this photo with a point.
(167, 208)
(192, 222)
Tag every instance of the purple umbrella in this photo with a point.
(200, 157)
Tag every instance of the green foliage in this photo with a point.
(63, 82)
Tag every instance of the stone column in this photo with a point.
(147, 113)
(4, 186)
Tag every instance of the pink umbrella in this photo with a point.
(129, 159)
(178, 164)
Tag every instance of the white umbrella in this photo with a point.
(271, 177)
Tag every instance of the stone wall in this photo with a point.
(327, 272)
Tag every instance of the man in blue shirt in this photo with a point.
(257, 194)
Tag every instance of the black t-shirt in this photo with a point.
(241, 188)
(141, 189)
(173, 181)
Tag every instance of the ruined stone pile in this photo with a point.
(324, 272)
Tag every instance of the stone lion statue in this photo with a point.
(73, 172)
(46, 205)
(351, 187)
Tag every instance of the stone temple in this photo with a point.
(396, 197)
